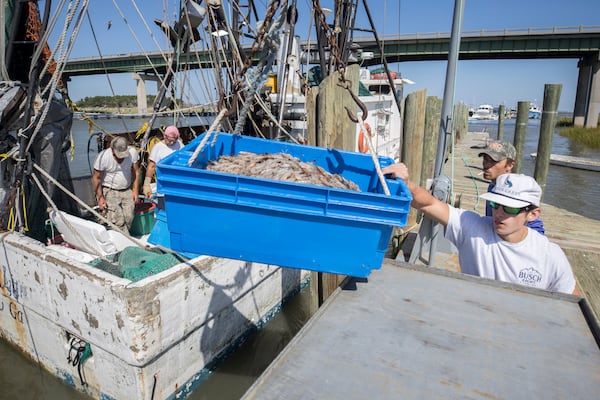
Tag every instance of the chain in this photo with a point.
(340, 65)
(258, 41)
(336, 54)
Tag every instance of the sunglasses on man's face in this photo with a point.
(511, 210)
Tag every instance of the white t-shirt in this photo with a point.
(160, 150)
(114, 175)
(534, 261)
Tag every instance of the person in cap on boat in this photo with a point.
(499, 158)
(499, 247)
(116, 182)
(169, 143)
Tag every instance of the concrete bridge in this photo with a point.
(581, 42)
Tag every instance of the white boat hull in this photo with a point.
(149, 339)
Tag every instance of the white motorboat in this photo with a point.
(484, 112)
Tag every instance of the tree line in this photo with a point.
(120, 101)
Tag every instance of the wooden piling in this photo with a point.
(549, 112)
(334, 129)
(461, 121)
(433, 111)
(312, 116)
(520, 131)
(413, 131)
(501, 111)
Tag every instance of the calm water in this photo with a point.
(572, 189)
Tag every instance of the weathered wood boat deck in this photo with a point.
(577, 235)
(424, 333)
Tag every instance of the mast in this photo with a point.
(448, 100)
(430, 231)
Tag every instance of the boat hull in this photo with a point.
(155, 338)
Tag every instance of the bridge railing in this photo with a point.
(491, 32)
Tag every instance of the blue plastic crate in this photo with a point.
(282, 223)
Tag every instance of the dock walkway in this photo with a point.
(410, 332)
(577, 235)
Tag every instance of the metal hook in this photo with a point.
(365, 111)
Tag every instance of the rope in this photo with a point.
(3, 69)
(256, 79)
(209, 132)
(384, 185)
(61, 63)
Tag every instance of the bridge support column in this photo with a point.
(587, 98)
(142, 101)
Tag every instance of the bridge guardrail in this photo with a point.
(491, 32)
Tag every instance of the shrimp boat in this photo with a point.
(535, 112)
(114, 314)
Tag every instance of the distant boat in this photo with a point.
(588, 164)
(534, 111)
(484, 112)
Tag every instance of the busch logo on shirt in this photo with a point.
(530, 277)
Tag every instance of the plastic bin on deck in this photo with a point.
(282, 223)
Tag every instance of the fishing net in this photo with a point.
(136, 263)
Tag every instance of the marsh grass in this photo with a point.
(588, 137)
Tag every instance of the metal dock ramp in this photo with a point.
(423, 333)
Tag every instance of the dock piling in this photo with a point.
(501, 112)
(549, 112)
(520, 131)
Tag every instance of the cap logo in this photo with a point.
(508, 182)
(496, 146)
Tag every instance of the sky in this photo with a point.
(477, 82)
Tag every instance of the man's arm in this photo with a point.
(97, 184)
(422, 199)
(146, 188)
(136, 181)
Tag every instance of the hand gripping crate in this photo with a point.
(275, 222)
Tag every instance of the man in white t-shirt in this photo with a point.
(166, 146)
(116, 182)
(499, 247)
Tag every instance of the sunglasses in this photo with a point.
(511, 210)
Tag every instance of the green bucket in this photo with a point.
(143, 221)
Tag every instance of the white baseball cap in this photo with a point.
(515, 190)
